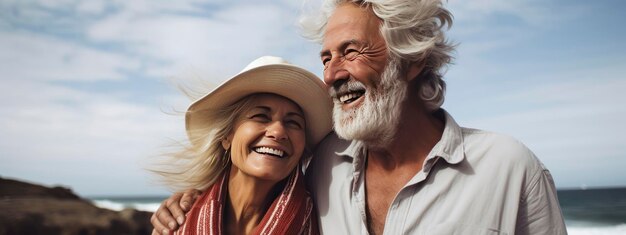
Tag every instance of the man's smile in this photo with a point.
(350, 97)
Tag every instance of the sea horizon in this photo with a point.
(90, 196)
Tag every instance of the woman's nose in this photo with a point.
(276, 130)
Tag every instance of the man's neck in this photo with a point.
(417, 134)
(389, 169)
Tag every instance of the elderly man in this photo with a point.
(399, 164)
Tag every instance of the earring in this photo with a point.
(226, 155)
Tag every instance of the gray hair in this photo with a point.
(413, 31)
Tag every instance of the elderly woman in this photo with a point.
(248, 138)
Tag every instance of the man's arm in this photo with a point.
(540, 212)
(172, 211)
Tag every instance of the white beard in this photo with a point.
(376, 120)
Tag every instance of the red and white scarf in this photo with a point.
(291, 212)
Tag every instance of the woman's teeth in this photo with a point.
(266, 150)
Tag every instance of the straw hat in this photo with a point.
(269, 74)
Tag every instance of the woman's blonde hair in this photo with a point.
(199, 165)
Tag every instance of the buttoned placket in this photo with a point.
(398, 211)
(358, 187)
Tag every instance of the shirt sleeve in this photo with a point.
(539, 211)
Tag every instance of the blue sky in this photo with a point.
(88, 87)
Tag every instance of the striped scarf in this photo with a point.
(290, 213)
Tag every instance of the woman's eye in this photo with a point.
(260, 116)
(295, 124)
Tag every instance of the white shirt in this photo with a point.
(472, 182)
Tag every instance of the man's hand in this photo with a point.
(174, 207)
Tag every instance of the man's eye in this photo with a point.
(325, 61)
(351, 54)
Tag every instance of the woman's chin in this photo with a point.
(267, 173)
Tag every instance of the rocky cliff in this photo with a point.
(27, 208)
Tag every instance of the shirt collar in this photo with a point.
(353, 149)
(450, 146)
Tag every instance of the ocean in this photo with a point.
(586, 212)
(594, 211)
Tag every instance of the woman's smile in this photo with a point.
(269, 138)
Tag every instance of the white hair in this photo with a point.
(413, 31)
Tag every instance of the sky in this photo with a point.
(89, 98)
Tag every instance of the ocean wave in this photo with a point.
(118, 206)
(596, 230)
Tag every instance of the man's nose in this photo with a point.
(335, 71)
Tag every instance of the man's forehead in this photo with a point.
(347, 24)
(349, 13)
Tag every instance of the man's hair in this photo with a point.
(413, 31)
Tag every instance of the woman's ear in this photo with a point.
(226, 143)
(414, 69)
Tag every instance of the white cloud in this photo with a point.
(161, 38)
(488, 25)
(37, 57)
(80, 134)
(94, 7)
(571, 118)
(55, 131)
(57, 114)
(218, 42)
(533, 12)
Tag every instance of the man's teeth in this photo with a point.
(272, 151)
(347, 98)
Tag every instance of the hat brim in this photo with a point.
(292, 82)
